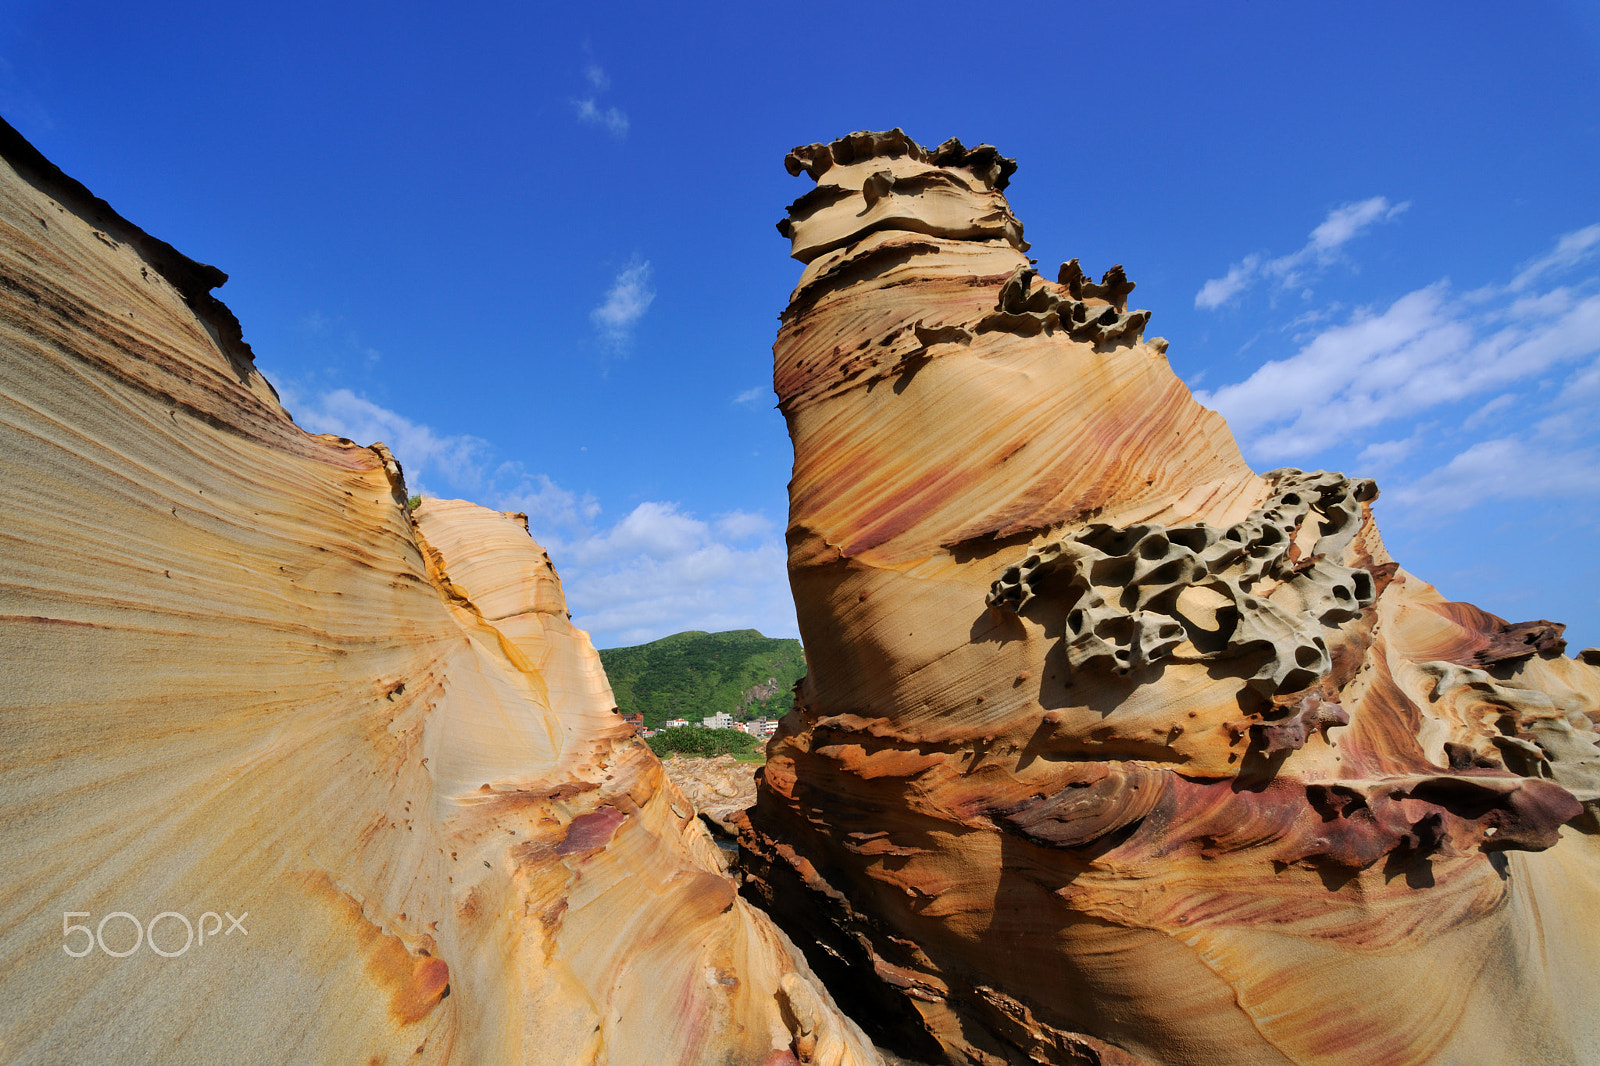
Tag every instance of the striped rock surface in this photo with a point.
(317, 779)
(1113, 750)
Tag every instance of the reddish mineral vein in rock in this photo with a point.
(240, 675)
(1112, 750)
(589, 831)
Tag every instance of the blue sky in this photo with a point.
(531, 247)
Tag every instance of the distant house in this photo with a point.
(676, 723)
(636, 720)
(761, 727)
(720, 720)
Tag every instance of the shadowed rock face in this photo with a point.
(1113, 751)
(240, 677)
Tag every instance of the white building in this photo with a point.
(720, 720)
(675, 723)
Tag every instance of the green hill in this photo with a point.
(693, 675)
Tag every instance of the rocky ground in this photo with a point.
(718, 786)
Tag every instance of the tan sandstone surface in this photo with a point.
(241, 678)
(719, 786)
(1113, 750)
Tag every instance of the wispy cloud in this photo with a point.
(547, 505)
(741, 524)
(428, 456)
(626, 302)
(1423, 351)
(1572, 249)
(611, 118)
(1383, 454)
(589, 109)
(1343, 224)
(1450, 370)
(1486, 414)
(1219, 291)
(752, 397)
(658, 570)
(661, 570)
(1506, 468)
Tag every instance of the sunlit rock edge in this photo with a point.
(241, 677)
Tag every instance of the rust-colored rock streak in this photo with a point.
(240, 679)
(1112, 750)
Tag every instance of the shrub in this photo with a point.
(413, 503)
(698, 740)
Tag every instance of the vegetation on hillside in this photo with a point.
(698, 740)
(695, 675)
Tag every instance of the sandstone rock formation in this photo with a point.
(720, 787)
(1113, 751)
(241, 679)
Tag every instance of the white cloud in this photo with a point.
(659, 570)
(424, 453)
(709, 585)
(612, 118)
(547, 505)
(1501, 403)
(1345, 222)
(1409, 391)
(1572, 412)
(752, 397)
(1583, 388)
(1572, 249)
(1423, 351)
(1342, 225)
(740, 525)
(442, 464)
(1505, 468)
(1541, 305)
(658, 530)
(1382, 454)
(1218, 291)
(589, 109)
(626, 302)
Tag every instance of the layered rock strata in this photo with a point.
(1111, 750)
(719, 786)
(242, 680)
